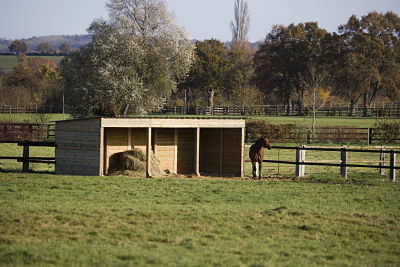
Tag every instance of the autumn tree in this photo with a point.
(319, 86)
(281, 61)
(18, 47)
(65, 48)
(369, 57)
(207, 75)
(33, 81)
(46, 49)
(133, 62)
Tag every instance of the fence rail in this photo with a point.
(26, 159)
(343, 162)
(48, 109)
(384, 110)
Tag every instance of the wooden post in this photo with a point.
(370, 136)
(392, 174)
(382, 161)
(197, 153)
(344, 157)
(221, 151)
(25, 162)
(242, 152)
(148, 153)
(176, 151)
(129, 138)
(300, 157)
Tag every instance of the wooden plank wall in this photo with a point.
(186, 151)
(164, 148)
(78, 147)
(232, 149)
(116, 141)
(220, 151)
(210, 140)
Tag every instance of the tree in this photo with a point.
(370, 57)
(46, 49)
(134, 61)
(319, 88)
(65, 48)
(240, 26)
(18, 47)
(281, 61)
(34, 81)
(208, 73)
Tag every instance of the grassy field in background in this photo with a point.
(323, 121)
(304, 121)
(32, 118)
(72, 220)
(7, 62)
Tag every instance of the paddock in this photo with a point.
(189, 146)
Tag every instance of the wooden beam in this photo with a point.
(197, 152)
(176, 151)
(242, 155)
(148, 153)
(221, 151)
(129, 138)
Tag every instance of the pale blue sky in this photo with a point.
(203, 19)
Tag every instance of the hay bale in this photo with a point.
(133, 160)
(133, 163)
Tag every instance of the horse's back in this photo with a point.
(256, 155)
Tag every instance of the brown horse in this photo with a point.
(256, 155)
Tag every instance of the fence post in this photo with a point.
(392, 173)
(344, 157)
(382, 161)
(25, 159)
(369, 142)
(300, 157)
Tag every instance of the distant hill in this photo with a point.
(75, 41)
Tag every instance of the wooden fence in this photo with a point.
(343, 162)
(384, 110)
(48, 109)
(26, 159)
(10, 131)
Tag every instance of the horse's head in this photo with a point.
(265, 142)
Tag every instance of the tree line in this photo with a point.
(44, 48)
(139, 59)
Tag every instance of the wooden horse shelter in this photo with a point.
(199, 146)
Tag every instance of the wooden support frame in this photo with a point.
(242, 160)
(197, 152)
(148, 153)
(221, 151)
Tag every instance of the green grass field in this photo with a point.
(304, 121)
(71, 220)
(7, 62)
(33, 118)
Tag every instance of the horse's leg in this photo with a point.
(259, 170)
(254, 170)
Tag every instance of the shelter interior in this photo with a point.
(196, 146)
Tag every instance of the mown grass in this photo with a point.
(72, 220)
(8, 62)
(302, 121)
(33, 118)
(357, 122)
